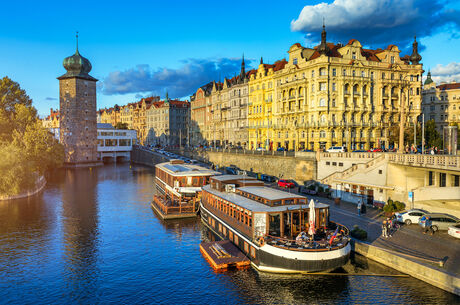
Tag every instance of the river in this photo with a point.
(91, 237)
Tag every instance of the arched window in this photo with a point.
(322, 102)
(322, 134)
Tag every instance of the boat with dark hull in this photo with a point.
(178, 188)
(270, 226)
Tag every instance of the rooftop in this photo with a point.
(184, 169)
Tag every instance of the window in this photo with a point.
(430, 178)
(353, 55)
(333, 102)
(295, 61)
(334, 72)
(322, 102)
(322, 134)
(383, 75)
(334, 87)
(442, 179)
(313, 73)
(322, 86)
(344, 72)
(392, 59)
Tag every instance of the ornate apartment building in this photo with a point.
(219, 112)
(167, 123)
(77, 108)
(441, 103)
(334, 94)
(260, 107)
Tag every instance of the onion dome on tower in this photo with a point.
(428, 80)
(77, 66)
(415, 58)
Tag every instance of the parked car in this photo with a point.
(286, 183)
(305, 190)
(307, 150)
(281, 149)
(411, 216)
(439, 221)
(375, 150)
(268, 178)
(454, 231)
(260, 149)
(336, 149)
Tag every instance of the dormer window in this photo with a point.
(392, 59)
(295, 61)
(353, 55)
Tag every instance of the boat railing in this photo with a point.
(323, 244)
(167, 207)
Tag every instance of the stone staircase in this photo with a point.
(354, 170)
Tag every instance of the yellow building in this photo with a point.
(337, 95)
(260, 106)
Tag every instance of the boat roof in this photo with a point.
(269, 193)
(184, 169)
(256, 206)
(233, 177)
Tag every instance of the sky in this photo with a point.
(144, 48)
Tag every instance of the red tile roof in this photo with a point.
(449, 86)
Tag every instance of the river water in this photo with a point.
(91, 237)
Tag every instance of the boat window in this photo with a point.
(288, 201)
(274, 225)
(302, 201)
(276, 202)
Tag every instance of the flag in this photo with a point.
(333, 236)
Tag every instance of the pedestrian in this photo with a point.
(360, 205)
(427, 226)
(384, 228)
(389, 227)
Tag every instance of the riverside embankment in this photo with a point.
(382, 251)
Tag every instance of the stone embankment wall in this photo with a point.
(288, 167)
(39, 185)
(434, 276)
(145, 157)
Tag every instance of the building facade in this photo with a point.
(78, 118)
(199, 112)
(168, 123)
(441, 103)
(343, 95)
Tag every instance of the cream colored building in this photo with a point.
(167, 123)
(342, 95)
(441, 103)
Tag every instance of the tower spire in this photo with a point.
(415, 58)
(261, 60)
(323, 49)
(77, 41)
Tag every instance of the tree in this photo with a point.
(432, 136)
(27, 149)
(121, 125)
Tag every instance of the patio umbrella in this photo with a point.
(312, 217)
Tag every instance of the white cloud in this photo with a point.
(377, 22)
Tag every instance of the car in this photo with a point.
(454, 231)
(439, 221)
(268, 178)
(305, 190)
(359, 150)
(375, 150)
(307, 150)
(336, 149)
(260, 149)
(410, 216)
(281, 149)
(286, 183)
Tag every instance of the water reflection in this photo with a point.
(91, 237)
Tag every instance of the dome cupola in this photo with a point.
(77, 66)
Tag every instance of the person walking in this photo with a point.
(427, 226)
(384, 228)
(360, 205)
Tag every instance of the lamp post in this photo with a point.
(402, 120)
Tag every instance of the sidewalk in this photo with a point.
(408, 240)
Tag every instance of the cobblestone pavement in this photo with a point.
(408, 240)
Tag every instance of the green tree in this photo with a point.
(27, 149)
(121, 125)
(432, 136)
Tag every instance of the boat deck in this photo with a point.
(223, 255)
(165, 210)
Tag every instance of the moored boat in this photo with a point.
(279, 231)
(178, 188)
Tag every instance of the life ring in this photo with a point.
(261, 241)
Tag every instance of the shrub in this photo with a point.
(358, 233)
(393, 206)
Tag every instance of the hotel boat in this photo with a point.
(264, 223)
(178, 188)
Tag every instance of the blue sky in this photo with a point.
(140, 48)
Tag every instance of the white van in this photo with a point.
(337, 149)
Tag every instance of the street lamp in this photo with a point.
(402, 120)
